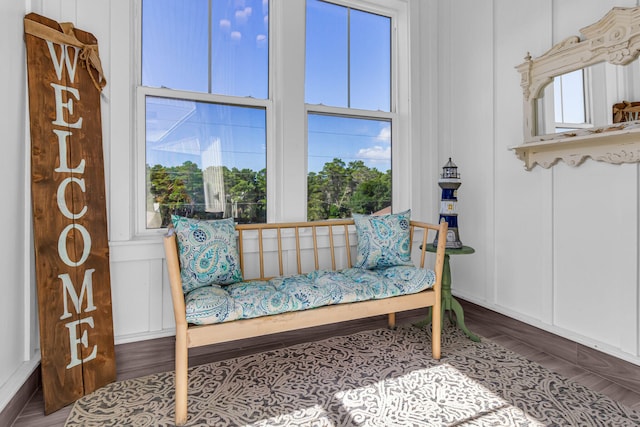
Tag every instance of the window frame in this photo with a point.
(286, 112)
(142, 93)
(398, 114)
(140, 193)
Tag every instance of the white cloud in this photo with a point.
(375, 153)
(225, 24)
(236, 35)
(378, 153)
(261, 40)
(242, 16)
(384, 135)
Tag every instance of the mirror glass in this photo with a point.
(593, 97)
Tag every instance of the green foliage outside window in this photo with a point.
(179, 190)
(340, 190)
(337, 191)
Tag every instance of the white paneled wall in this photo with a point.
(465, 117)
(589, 258)
(543, 252)
(564, 250)
(522, 258)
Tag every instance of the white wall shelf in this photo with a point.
(614, 144)
(614, 39)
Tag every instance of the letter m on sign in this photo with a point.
(69, 211)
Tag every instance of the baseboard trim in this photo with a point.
(21, 397)
(587, 342)
(613, 368)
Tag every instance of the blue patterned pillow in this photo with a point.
(383, 240)
(208, 252)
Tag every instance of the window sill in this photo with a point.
(615, 144)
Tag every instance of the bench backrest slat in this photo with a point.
(298, 256)
(348, 245)
(280, 267)
(333, 254)
(315, 247)
(261, 252)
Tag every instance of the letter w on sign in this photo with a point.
(69, 211)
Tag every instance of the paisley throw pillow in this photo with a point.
(383, 240)
(208, 252)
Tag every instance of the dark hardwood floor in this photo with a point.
(613, 377)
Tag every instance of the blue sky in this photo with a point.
(569, 97)
(176, 55)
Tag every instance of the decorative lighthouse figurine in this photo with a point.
(449, 182)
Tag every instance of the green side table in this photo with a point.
(448, 301)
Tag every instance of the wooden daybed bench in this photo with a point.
(309, 254)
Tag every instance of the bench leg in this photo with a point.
(391, 320)
(181, 379)
(436, 331)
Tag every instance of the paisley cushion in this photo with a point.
(409, 279)
(383, 240)
(374, 281)
(244, 300)
(259, 298)
(208, 252)
(339, 287)
(210, 304)
(303, 291)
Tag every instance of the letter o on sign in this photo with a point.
(62, 245)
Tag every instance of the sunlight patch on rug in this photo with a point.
(423, 397)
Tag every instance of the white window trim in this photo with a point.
(286, 111)
(140, 154)
(399, 113)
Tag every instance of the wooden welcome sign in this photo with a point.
(69, 211)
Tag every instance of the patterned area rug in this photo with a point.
(374, 378)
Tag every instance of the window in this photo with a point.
(206, 46)
(205, 99)
(569, 102)
(349, 166)
(204, 160)
(348, 97)
(240, 118)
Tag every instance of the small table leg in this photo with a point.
(450, 303)
(457, 309)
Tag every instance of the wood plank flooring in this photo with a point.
(615, 378)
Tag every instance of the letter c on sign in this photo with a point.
(62, 203)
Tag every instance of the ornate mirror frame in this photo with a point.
(614, 39)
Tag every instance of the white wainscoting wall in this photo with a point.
(556, 248)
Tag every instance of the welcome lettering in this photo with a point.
(78, 330)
